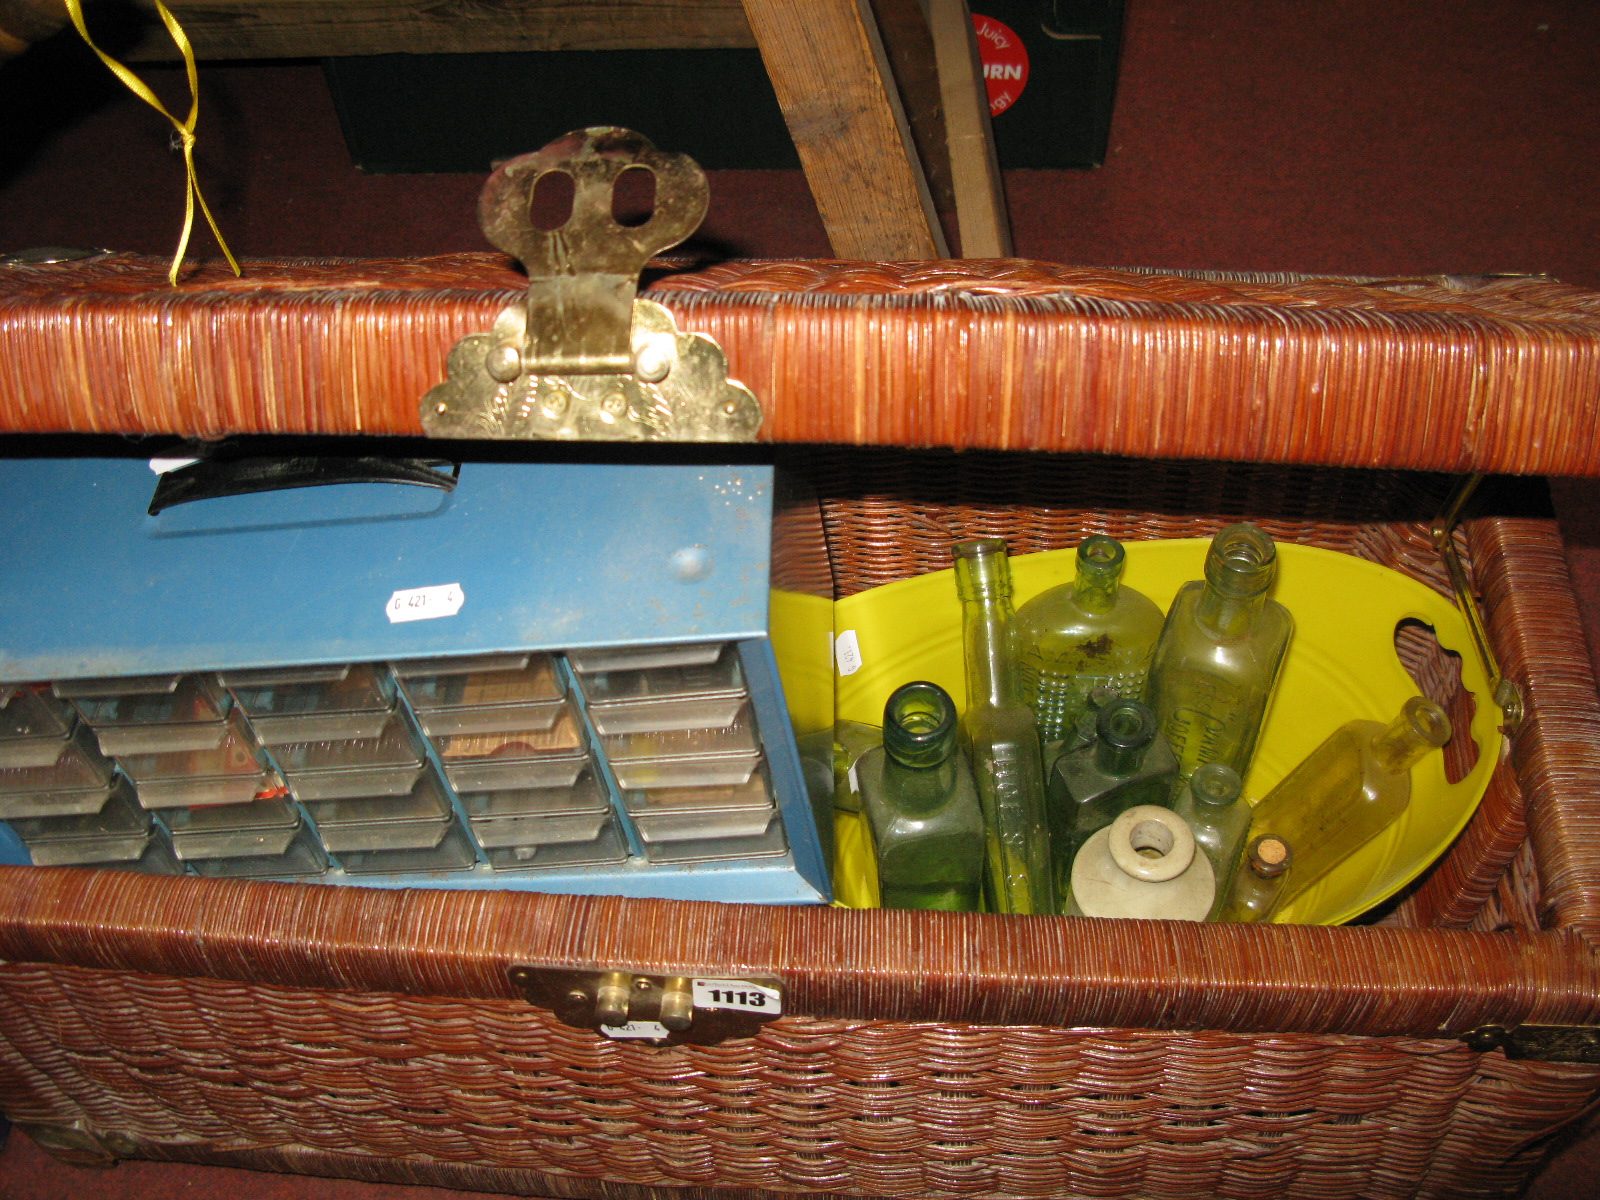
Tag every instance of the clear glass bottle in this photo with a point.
(921, 802)
(1001, 737)
(1219, 654)
(1349, 789)
(1213, 803)
(1258, 885)
(1127, 764)
(1083, 635)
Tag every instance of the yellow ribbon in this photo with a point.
(185, 127)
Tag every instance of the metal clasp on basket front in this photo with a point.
(581, 358)
(1538, 1043)
(639, 1005)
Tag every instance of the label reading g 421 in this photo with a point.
(738, 995)
(424, 603)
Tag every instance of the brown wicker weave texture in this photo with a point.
(1441, 373)
(939, 1055)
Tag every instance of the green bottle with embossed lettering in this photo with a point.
(1219, 654)
(1090, 633)
(1001, 737)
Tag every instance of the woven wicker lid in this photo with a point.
(1451, 373)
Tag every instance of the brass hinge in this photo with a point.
(580, 358)
(1506, 693)
(1538, 1043)
(662, 1009)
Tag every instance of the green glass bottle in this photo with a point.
(1213, 804)
(1089, 633)
(1001, 737)
(1127, 764)
(922, 805)
(1219, 654)
(1349, 789)
(849, 740)
(1258, 885)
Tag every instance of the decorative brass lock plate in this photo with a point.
(581, 358)
(639, 1005)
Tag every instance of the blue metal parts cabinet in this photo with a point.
(556, 676)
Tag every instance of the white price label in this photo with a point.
(162, 465)
(847, 652)
(635, 1029)
(424, 603)
(737, 994)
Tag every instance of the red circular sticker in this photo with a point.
(1005, 62)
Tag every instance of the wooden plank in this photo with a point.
(908, 43)
(980, 199)
(222, 29)
(832, 78)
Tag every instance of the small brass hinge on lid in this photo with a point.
(660, 1009)
(580, 358)
(1538, 1043)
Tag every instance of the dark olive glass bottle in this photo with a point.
(1127, 764)
(921, 802)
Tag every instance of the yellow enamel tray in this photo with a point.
(1341, 666)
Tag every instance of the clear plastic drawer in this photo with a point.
(189, 717)
(295, 856)
(494, 701)
(753, 795)
(232, 830)
(34, 727)
(78, 781)
(699, 837)
(628, 658)
(581, 842)
(386, 765)
(584, 796)
(228, 773)
(356, 704)
(452, 850)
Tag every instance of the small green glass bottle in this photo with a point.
(1089, 633)
(1349, 789)
(1213, 804)
(1219, 654)
(1001, 737)
(1127, 764)
(1258, 885)
(922, 805)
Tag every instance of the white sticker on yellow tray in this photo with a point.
(847, 652)
(635, 1029)
(738, 995)
(424, 603)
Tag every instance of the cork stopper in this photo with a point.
(1269, 855)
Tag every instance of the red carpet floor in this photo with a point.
(1351, 136)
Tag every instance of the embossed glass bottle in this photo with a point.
(1212, 803)
(1219, 654)
(1127, 764)
(1089, 633)
(1001, 737)
(1349, 789)
(918, 793)
(1258, 885)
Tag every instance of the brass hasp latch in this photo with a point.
(658, 1008)
(1538, 1043)
(580, 358)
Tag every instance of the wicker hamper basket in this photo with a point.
(379, 1035)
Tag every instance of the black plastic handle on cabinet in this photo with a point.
(210, 478)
